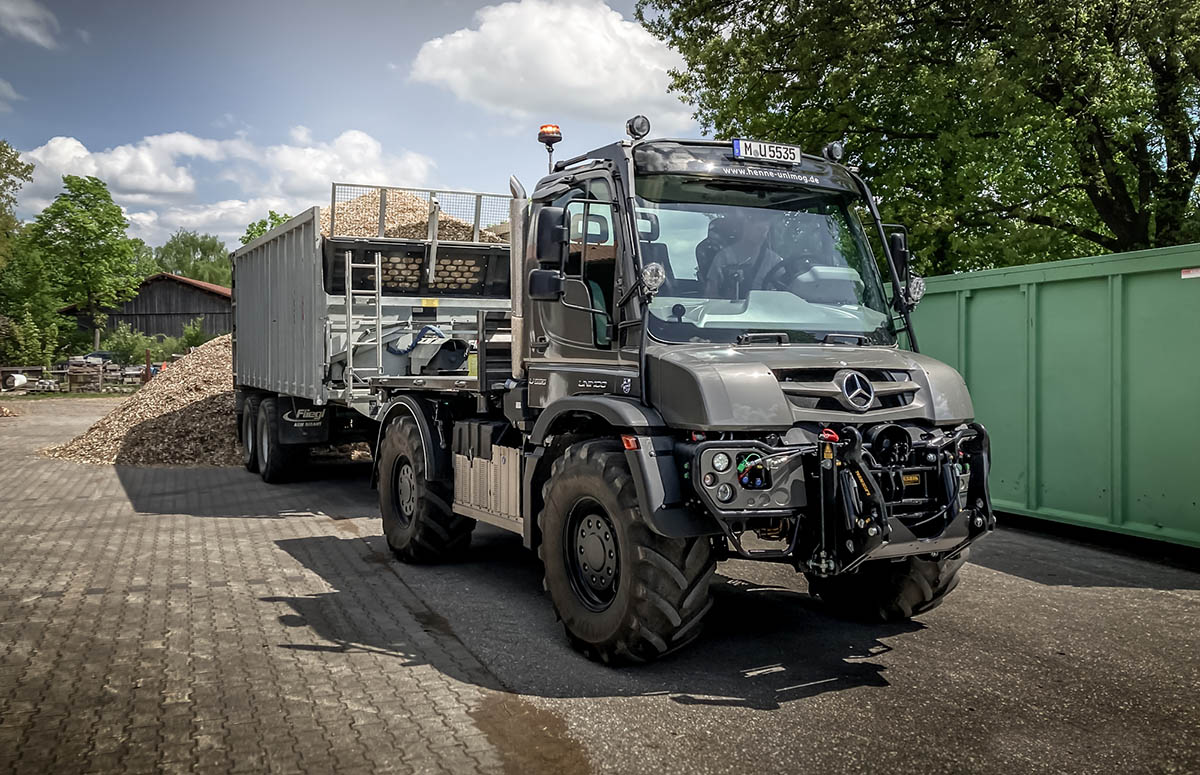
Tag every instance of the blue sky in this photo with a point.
(203, 115)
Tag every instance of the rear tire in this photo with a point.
(250, 434)
(624, 593)
(890, 591)
(417, 520)
(275, 460)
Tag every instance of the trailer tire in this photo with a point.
(417, 520)
(276, 461)
(249, 430)
(593, 530)
(890, 591)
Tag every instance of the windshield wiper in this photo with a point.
(855, 339)
(762, 337)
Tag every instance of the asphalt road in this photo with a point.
(1052, 656)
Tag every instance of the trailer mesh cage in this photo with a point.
(416, 213)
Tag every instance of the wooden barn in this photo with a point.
(164, 303)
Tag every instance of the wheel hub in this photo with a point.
(596, 552)
(406, 489)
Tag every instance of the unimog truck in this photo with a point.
(669, 353)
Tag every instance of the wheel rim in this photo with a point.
(405, 487)
(592, 555)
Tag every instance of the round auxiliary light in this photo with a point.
(549, 134)
(710, 479)
(725, 493)
(720, 462)
(653, 276)
(638, 127)
(916, 288)
(833, 151)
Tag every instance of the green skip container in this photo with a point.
(1086, 373)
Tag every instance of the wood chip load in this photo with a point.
(406, 217)
(184, 416)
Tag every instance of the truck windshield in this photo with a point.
(758, 258)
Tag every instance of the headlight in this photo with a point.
(725, 493)
(720, 462)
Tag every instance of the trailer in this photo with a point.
(670, 353)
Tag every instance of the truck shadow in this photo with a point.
(763, 646)
(339, 490)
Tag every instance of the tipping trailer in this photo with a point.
(670, 353)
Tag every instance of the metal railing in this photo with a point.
(434, 215)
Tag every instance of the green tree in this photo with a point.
(29, 299)
(127, 345)
(143, 258)
(1000, 133)
(81, 235)
(198, 256)
(13, 172)
(256, 229)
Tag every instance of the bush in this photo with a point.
(193, 334)
(127, 345)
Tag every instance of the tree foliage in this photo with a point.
(81, 236)
(198, 256)
(13, 172)
(256, 229)
(999, 133)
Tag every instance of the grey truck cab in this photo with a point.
(692, 350)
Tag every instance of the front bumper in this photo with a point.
(836, 505)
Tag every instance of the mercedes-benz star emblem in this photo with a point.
(859, 392)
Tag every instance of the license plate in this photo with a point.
(777, 152)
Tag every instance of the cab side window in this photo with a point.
(592, 250)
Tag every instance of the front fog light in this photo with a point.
(725, 492)
(720, 462)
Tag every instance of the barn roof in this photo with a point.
(213, 288)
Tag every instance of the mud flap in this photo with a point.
(300, 422)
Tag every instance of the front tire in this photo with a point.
(624, 593)
(417, 519)
(890, 591)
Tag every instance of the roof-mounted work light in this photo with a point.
(548, 135)
(638, 127)
(833, 151)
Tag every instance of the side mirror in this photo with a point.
(551, 236)
(546, 285)
(899, 250)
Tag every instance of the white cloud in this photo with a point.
(552, 59)
(85, 36)
(29, 20)
(156, 179)
(8, 95)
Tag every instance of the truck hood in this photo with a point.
(755, 387)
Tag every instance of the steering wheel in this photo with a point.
(778, 278)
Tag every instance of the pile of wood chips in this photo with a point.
(406, 217)
(184, 416)
(6, 412)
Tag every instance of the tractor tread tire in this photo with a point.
(890, 591)
(664, 583)
(434, 533)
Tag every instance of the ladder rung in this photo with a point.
(363, 266)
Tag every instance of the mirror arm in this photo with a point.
(898, 296)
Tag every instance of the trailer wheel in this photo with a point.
(624, 593)
(249, 427)
(417, 519)
(276, 461)
(890, 591)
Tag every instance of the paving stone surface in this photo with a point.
(170, 620)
